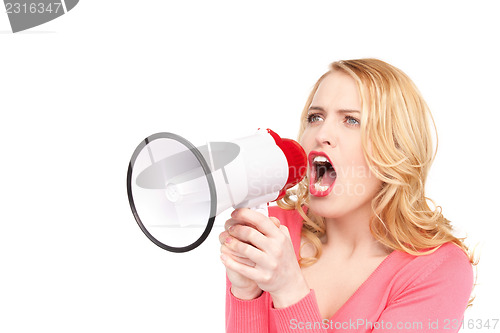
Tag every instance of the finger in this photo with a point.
(247, 271)
(257, 240)
(222, 237)
(224, 247)
(245, 250)
(229, 223)
(256, 219)
(245, 261)
(248, 235)
(228, 252)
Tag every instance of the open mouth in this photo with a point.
(322, 174)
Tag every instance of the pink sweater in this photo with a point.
(404, 294)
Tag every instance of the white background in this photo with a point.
(79, 93)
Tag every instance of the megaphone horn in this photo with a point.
(174, 187)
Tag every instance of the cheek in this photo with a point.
(307, 143)
(358, 172)
(366, 180)
(354, 153)
(304, 139)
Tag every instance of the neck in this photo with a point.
(350, 236)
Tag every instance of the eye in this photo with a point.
(314, 117)
(351, 121)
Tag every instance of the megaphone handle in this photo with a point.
(262, 208)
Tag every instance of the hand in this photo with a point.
(241, 286)
(269, 258)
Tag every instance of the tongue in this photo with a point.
(328, 178)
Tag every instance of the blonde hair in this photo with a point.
(396, 121)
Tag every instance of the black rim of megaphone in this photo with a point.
(211, 185)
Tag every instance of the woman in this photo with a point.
(355, 246)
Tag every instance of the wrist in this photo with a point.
(246, 294)
(285, 298)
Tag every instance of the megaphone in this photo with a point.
(176, 190)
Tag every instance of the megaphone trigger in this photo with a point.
(262, 208)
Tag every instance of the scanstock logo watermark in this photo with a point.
(25, 14)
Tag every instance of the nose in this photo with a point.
(325, 136)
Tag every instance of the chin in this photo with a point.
(336, 207)
(325, 207)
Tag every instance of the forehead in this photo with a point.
(337, 91)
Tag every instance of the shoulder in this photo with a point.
(455, 266)
(448, 260)
(446, 270)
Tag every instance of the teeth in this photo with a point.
(321, 159)
(320, 188)
(322, 166)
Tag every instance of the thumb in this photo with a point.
(285, 230)
(275, 221)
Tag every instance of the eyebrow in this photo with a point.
(319, 108)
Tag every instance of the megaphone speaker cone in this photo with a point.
(174, 213)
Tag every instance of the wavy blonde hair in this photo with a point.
(397, 122)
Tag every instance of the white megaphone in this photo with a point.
(175, 188)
